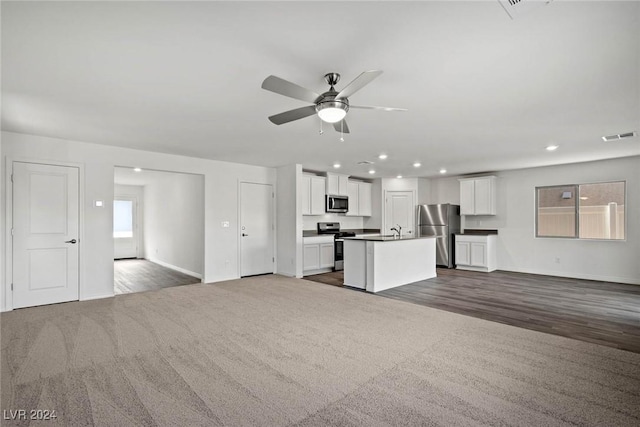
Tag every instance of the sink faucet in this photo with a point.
(397, 229)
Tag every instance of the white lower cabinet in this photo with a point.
(317, 254)
(476, 253)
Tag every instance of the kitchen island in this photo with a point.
(376, 263)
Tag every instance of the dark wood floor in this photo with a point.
(598, 312)
(139, 275)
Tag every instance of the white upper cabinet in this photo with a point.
(364, 198)
(312, 194)
(359, 198)
(478, 196)
(337, 184)
(352, 192)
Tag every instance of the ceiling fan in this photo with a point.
(331, 106)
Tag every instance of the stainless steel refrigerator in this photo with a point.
(441, 221)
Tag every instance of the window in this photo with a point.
(122, 218)
(584, 211)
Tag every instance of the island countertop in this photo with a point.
(386, 238)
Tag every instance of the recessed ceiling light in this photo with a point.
(372, 171)
(552, 147)
(417, 164)
(399, 176)
(382, 156)
(443, 171)
(137, 170)
(336, 165)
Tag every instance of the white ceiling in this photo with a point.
(484, 92)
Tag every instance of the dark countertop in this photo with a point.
(386, 238)
(476, 232)
(313, 233)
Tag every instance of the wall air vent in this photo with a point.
(516, 8)
(619, 136)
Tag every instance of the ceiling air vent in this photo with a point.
(518, 7)
(618, 136)
(365, 162)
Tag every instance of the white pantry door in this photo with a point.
(256, 229)
(399, 210)
(45, 234)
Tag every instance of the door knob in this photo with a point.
(244, 235)
(72, 241)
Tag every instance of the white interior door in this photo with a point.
(256, 229)
(45, 234)
(399, 210)
(125, 227)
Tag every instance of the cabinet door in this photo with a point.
(467, 199)
(332, 184)
(352, 192)
(326, 255)
(317, 195)
(343, 184)
(463, 256)
(478, 254)
(364, 199)
(311, 257)
(306, 195)
(483, 196)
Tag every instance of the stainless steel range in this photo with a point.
(338, 242)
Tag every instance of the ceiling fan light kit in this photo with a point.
(332, 111)
(331, 106)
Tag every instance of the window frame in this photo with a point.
(577, 212)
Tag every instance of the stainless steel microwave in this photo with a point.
(338, 204)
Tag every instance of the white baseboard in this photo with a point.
(96, 297)
(176, 268)
(614, 279)
(318, 271)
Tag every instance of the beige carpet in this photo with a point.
(274, 351)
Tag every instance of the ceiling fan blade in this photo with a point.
(291, 115)
(286, 88)
(358, 83)
(341, 126)
(370, 107)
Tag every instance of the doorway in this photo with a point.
(45, 234)
(399, 209)
(256, 229)
(125, 226)
(158, 229)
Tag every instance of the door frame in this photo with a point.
(384, 208)
(273, 223)
(7, 296)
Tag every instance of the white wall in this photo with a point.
(136, 191)
(174, 222)
(375, 220)
(221, 201)
(519, 250)
(289, 221)
(424, 191)
(310, 221)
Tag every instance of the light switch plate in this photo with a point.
(225, 224)
(98, 203)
